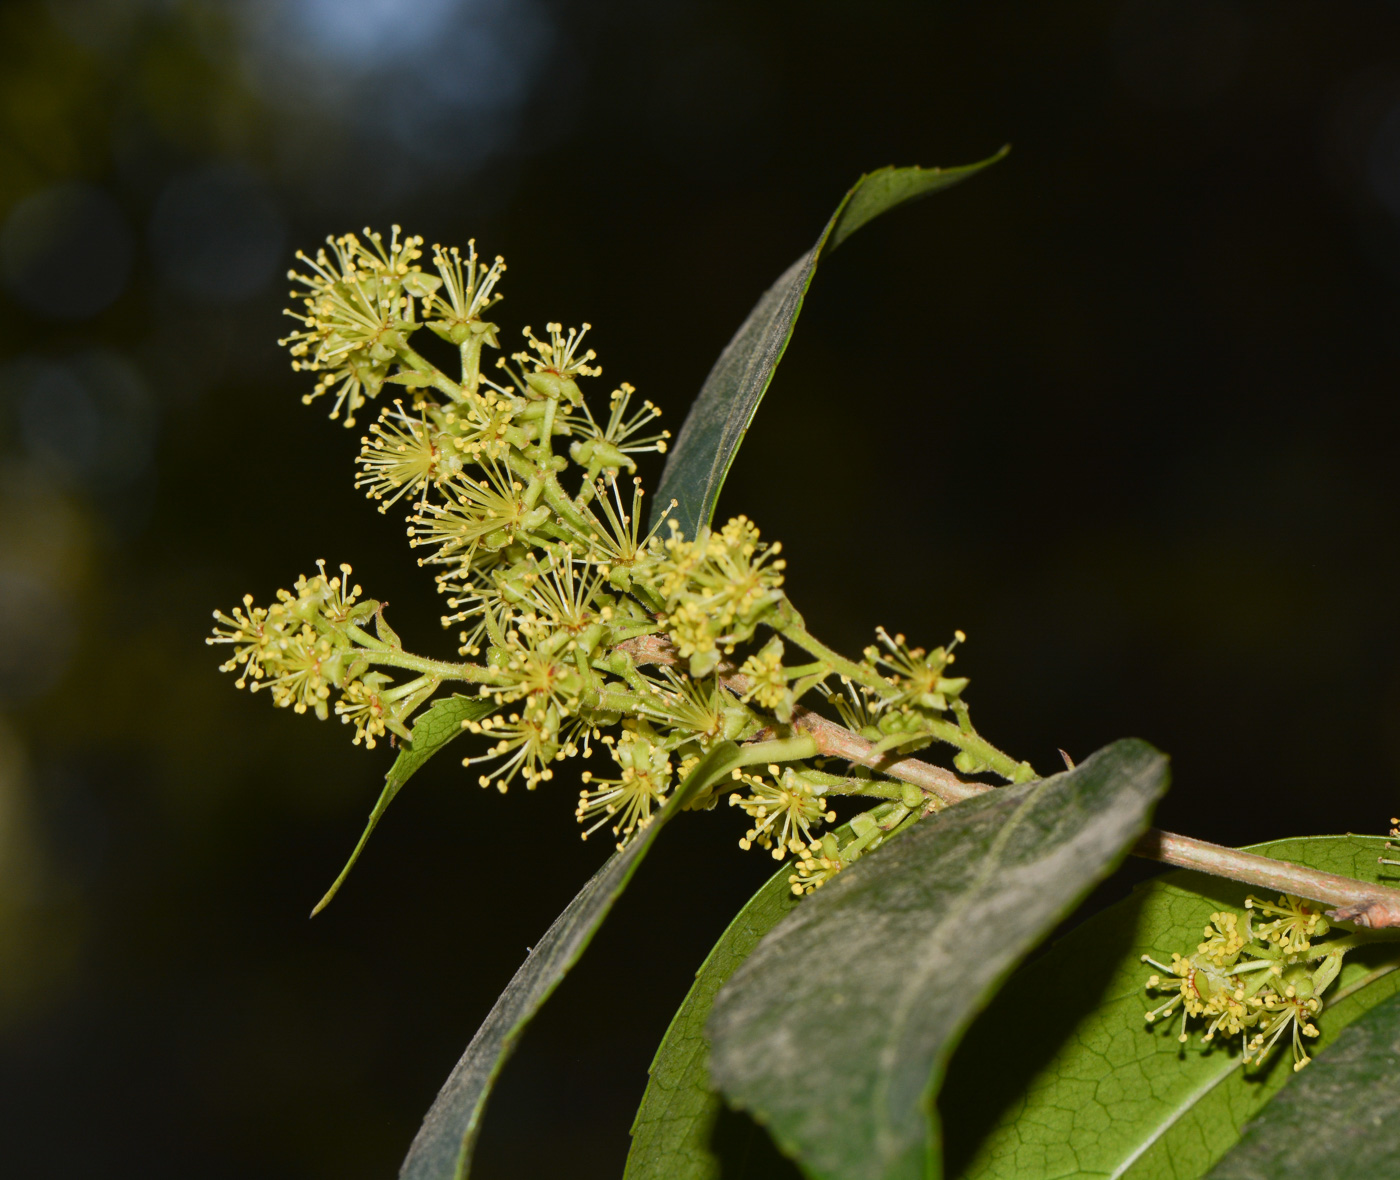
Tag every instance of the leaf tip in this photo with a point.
(325, 901)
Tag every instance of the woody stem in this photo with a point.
(1372, 906)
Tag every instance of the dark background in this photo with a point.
(1123, 408)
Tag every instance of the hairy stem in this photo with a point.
(558, 499)
(1320, 950)
(869, 788)
(794, 631)
(981, 749)
(613, 701)
(440, 380)
(470, 351)
(1372, 906)
(792, 749)
(472, 673)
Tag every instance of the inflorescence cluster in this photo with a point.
(1259, 977)
(577, 628)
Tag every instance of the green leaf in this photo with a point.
(672, 1135)
(714, 428)
(835, 1030)
(443, 1147)
(434, 728)
(1061, 1077)
(1337, 1119)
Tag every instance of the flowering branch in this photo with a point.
(578, 631)
(1368, 905)
(1365, 904)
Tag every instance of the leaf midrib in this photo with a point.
(1167, 1124)
(1190, 1103)
(991, 865)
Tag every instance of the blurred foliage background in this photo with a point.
(1123, 408)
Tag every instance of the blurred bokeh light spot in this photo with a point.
(58, 420)
(66, 251)
(39, 623)
(459, 72)
(218, 234)
(363, 32)
(89, 420)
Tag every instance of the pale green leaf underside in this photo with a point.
(442, 1149)
(1061, 1078)
(710, 436)
(1337, 1120)
(435, 727)
(833, 1033)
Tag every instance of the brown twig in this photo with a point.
(1372, 906)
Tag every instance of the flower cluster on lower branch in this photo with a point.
(1259, 976)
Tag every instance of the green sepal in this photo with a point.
(420, 284)
(386, 632)
(555, 387)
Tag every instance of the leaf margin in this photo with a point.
(872, 194)
(431, 1145)
(1305, 1100)
(1147, 781)
(644, 1161)
(981, 1158)
(435, 727)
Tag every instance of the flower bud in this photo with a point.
(553, 386)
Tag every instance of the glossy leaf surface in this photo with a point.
(834, 1032)
(710, 437)
(1061, 1077)
(1337, 1120)
(435, 727)
(442, 1149)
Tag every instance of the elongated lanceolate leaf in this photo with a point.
(443, 1147)
(434, 728)
(1062, 1078)
(715, 426)
(1337, 1120)
(834, 1031)
(672, 1135)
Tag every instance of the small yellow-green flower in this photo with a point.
(784, 809)
(524, 745)
(631, 799)
(1259, 984)
(768, 682)
(1296, 922)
